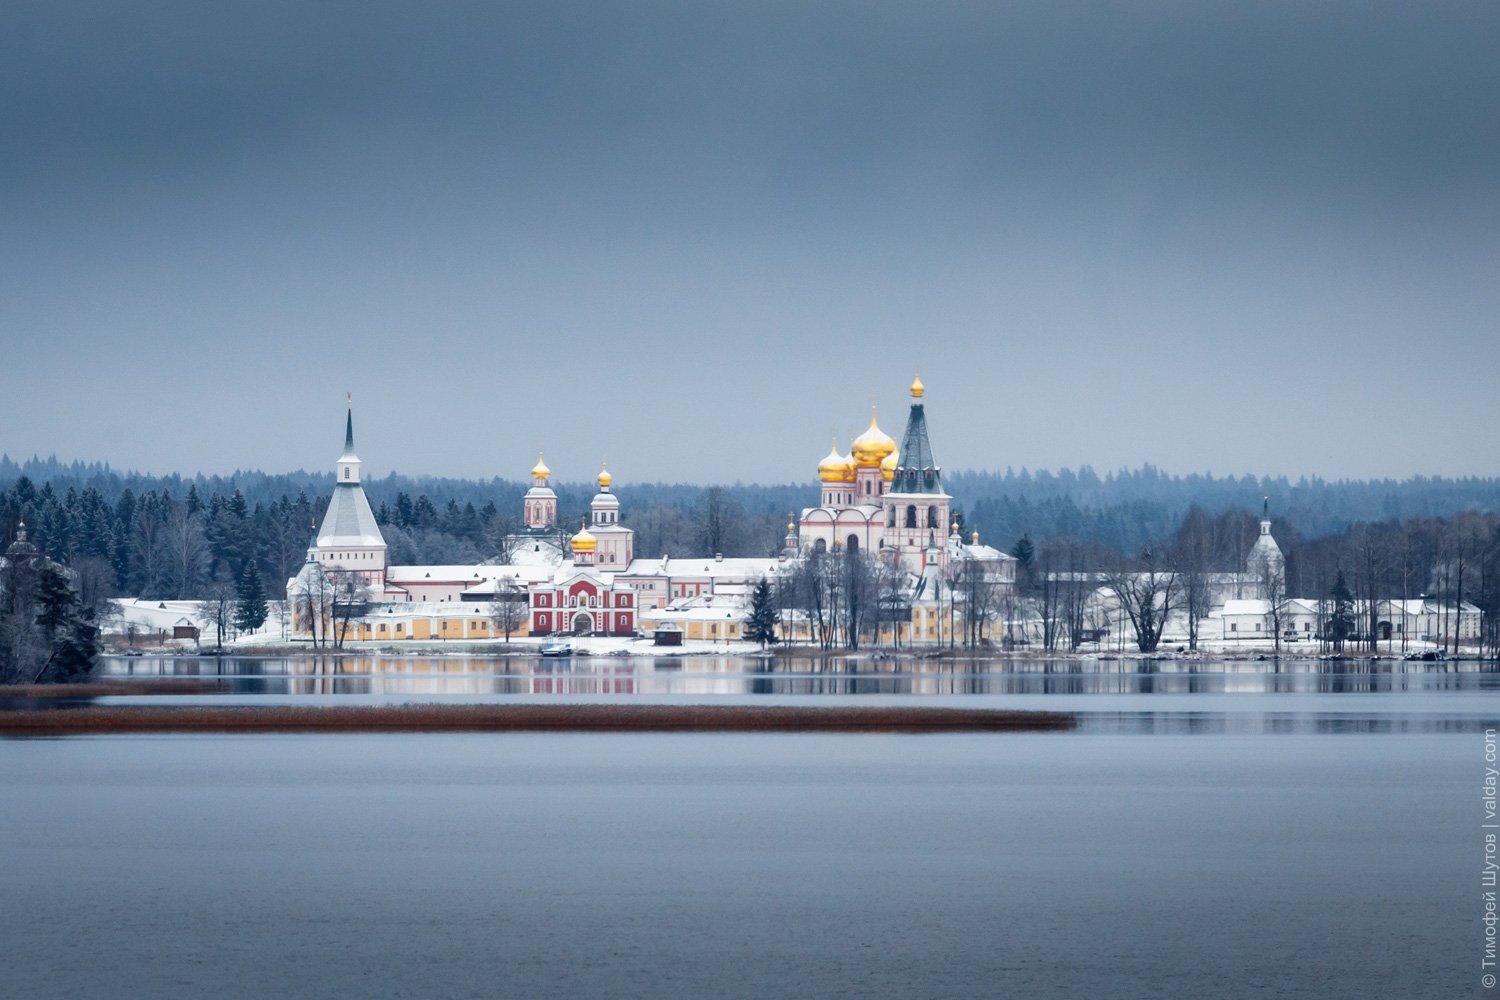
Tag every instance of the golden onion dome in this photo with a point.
(888, 467)
(871, 447)
(540, 470)
(831, 469)
(583, 541)
(605, 478)
(918, 390)
(849, 466)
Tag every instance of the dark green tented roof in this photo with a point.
(918, 470)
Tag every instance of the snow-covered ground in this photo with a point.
(155, 622)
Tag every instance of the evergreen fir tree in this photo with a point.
(74, 651)
(1341, 622)
(761, 626)
(56, 601)
(250, 608)
(1025, 552)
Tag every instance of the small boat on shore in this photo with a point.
(558, 649)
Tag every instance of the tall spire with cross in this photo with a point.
(349, 463)
(349, 426)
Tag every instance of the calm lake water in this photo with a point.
(1225, 831)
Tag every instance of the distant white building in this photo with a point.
(1422, 620)
(1252, 618)
(1265, 567)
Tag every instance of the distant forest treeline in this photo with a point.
(169, 535)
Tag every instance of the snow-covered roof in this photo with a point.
(426, 609)
(1265, 550)
(468, 574)
(721, 601)
(570, 571)
(704, 608)
(158, 615)
(736, 569)
(349, 520)
(540, 552)
(983, 553)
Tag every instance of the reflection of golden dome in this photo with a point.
(888, 467)
(871, 447)
(540, 471)
(583, 541)
(831, 469)
(918, 390)
(605, 479)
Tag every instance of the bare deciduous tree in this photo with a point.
(508, 611)
(351, 598)
(216, 609)
(1147, 592)
(187, 551)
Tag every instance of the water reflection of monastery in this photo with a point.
(877, 499)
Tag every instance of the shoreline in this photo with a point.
(437, 718)
(484, 651)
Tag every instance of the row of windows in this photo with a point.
(544, 620)
(912, 517)
(573, 601)
(445, 624)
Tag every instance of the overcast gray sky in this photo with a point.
(693, 238)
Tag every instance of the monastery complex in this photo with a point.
(879, 499)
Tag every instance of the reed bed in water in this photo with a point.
(95, 719)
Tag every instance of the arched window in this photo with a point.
(820, 546)
(932, 519)
(890, 517)
(911, 515)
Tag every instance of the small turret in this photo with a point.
(605, 507)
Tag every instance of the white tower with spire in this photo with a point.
(349, 540)
(1265, 562)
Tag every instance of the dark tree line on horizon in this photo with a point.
(176, 537)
